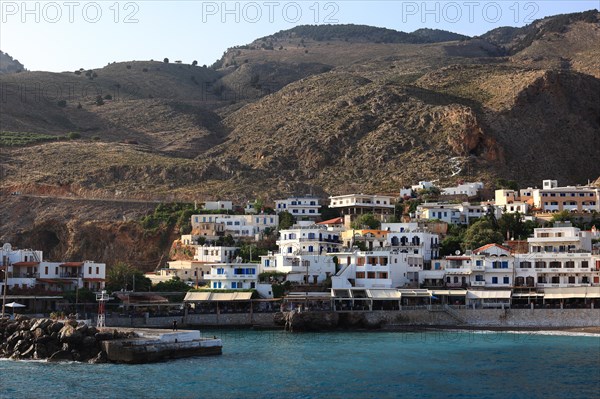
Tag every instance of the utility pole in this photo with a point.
(4, 288)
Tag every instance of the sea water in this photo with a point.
(277, 364)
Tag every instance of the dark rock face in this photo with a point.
(39, 339)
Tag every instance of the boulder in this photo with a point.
(61, 356)
(69, 334)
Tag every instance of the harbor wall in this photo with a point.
(266, 320)
(507, 318)
(518, 318)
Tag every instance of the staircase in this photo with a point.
(454, 314)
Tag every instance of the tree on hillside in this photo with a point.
(286, 220)
(328, 213)
(166, 60)
(480, 233)
(511, 225)
(506, 184)
(194, 63)
(123, 277)
(173, 285)
(368, 220)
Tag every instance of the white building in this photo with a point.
(238, 226)
(299, 207)
(463, 213)
(468, 189)
(233, 276)
(215, 254)
(218, 206)
(303, 253)
(376, 269)
(423, 185)
(560, 239)
(25, 268)
(358, 204)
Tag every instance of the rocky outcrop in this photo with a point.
(53, 340)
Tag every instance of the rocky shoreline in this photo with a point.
(54, 340)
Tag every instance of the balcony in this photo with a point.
(71, 275)
(478, 268)
(230, 276)
(477, 283)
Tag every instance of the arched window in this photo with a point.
(395, 241)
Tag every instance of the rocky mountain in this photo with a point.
(322, 109)
(9, 65)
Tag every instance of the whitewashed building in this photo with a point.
(239, 226)
(299, 207)
(468, 189)
(25, 268)
(233, 276)
(218, 206)
(303, 253)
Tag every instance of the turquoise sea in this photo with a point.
(276, 364)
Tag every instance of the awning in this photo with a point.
(415, 293)
(489, 294)
(71, 264)
(527, 294)
(450, 292)
(217, 296)
(26, 264)
(231, 296)
(384, 294)
(197, 296)
(572, 292)
(463, 272)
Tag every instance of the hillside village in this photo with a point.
(366, 252)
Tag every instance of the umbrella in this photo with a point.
(14, 305)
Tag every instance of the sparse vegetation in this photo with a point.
(17, 139)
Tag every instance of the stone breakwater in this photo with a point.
(54, 340)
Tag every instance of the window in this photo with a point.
(584, 264)
(97, 270)
(504, 265)
(479, 277)
(525, 265)
(360, 274)
(506, 280)
(494, 280)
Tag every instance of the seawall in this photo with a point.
(507, 318)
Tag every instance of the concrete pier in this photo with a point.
(153, 345)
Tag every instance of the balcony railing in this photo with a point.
(477, 283)
(71, 275)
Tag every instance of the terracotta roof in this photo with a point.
(487, 246)
(72, 264)
(332, 221)
(28, 264)
(55, 280)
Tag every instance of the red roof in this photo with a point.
(72, 264)
(26, 264)
(332, 221)
(487, 246)
(55, 280)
